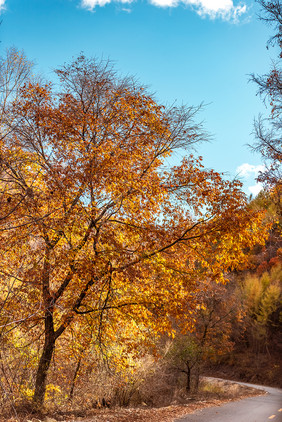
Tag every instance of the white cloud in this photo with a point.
(90, 4)
(224, 9)
(255, 189)
(249, 170)
(165, 3)
(2, 5)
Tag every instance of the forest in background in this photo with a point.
(124, 277)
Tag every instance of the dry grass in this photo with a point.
(212, 393)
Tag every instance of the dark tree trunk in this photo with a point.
(188, 378)
(45, 360)
(197, 376)
(50, 338)
(74, 379)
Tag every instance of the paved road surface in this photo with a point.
(264, 408)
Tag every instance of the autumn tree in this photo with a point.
(261, 297)
(268, 131)
(100, 230)
(218, 310)
(15, 70)
(272, 15)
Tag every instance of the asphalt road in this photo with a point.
(264, 408)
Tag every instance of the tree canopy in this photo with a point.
(268, 131)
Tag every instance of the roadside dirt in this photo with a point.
(229, 391)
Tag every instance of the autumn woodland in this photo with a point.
(125, 272)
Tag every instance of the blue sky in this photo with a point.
(185, 51)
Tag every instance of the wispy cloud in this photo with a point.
(224, 9)
(91, 4)
(126, 9)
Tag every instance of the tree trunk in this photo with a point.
(45, 360)
(197, 377)
(188, 379)
(50, 338)
(74, 378)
